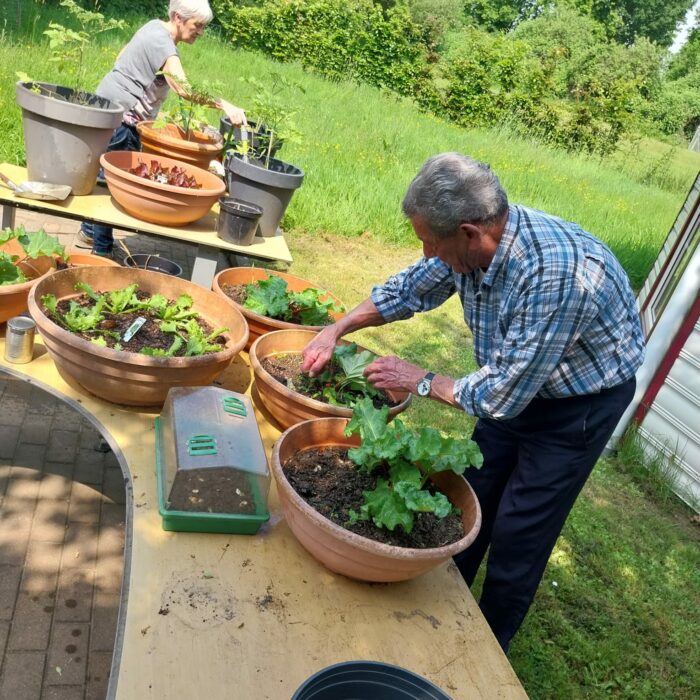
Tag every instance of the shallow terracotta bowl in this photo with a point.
(154, 202)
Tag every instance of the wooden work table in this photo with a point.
(99, 207)
(251, 617)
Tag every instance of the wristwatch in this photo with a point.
(423, 386)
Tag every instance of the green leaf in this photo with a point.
(268, 297)
(421, 501)
(9, 272)
(386, 508)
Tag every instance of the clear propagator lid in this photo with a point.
(211, 452)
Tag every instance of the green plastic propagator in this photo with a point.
(210, 462)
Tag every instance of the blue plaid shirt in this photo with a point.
(552, 316)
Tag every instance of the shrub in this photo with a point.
(338, 38)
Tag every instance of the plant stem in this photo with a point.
(269, 148)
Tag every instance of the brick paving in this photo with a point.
(61, 549)
(61, 525)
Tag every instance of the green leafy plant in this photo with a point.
(270, 297)
(271, 120)
(342, 382)
(94, 315)
(189, 112)
(69, 46)
(35, 244)
(412, 458)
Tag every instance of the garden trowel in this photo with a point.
(37, 190)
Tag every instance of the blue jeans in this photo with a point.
(124, 138)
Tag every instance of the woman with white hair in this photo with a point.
(144, 72)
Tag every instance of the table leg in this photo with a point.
(7, 220)
(205, 265)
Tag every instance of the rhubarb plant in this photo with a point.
(342, 382)
(35, 244)
(271, 297)
(412, 458)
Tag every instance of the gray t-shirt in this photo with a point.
(133, 82)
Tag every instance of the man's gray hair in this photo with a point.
(451, 189)
(199, 9)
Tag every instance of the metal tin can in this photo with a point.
(19, 339)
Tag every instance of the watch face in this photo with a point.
(423, 387)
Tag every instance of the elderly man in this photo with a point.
(557, 340)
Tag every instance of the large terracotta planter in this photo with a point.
(13, 297)
(87, 259)
(289, 407)
(166, 205)
(199, 150)
(125, 377)
(259, 325)
(343, 551)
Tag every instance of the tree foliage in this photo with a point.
(627, 20)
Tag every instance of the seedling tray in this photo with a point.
(185, 521)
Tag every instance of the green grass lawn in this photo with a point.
(617, 612)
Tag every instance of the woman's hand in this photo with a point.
(235, 114)
(318, 352)
(392, 372)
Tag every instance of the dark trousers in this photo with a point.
(124, 138)
(535, 465)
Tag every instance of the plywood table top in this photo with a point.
(101, 208)
(251, 617)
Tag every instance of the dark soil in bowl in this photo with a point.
(331, 484)
(113, 327)
(286, 369)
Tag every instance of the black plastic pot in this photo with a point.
(258, 138)
(269, 188)
(367, 680)
(155, 263)
(238, 220)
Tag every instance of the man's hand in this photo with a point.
(318, 352)
(392, 372)
(235, 114)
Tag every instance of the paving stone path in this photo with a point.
(61, 549)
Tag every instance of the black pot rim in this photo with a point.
(376, 675)
(147, 258)
(240, 207)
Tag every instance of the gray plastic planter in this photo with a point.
(367, 680)
(271, 189)
(64, 140)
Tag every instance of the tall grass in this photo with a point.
(360, 148)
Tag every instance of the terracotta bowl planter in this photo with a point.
(289, 407)
(125, 377)
(343, 551)
(13, 297)
(259, 325)
(166, 205)
(199, 150)
(87, 259)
